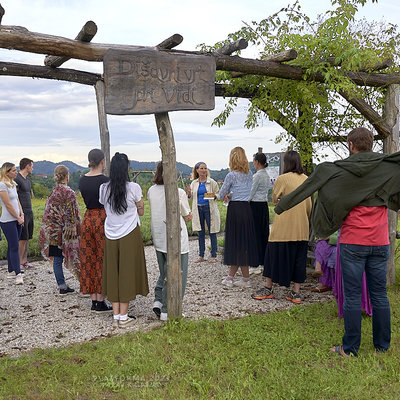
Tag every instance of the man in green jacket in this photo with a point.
(353, 195)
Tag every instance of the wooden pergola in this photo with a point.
(59, 50)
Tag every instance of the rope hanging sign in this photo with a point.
(148, 81)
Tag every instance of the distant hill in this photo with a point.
(47, 168)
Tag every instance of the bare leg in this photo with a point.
(233, 269)
(268, 283)
(245, 272)
(296, 287)
(23, 251)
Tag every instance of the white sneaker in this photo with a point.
(19, 280)
(242, 283)
(255, 270)
(163, 316)
(227, 282)
(157, 306)
(11, 275)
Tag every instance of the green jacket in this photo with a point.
(363, 179)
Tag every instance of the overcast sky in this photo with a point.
(55, 121)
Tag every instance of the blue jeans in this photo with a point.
(204, 216)
(354, 260)
(58, 272)
(12, 231)
(160, 291)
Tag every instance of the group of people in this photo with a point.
(106, 250)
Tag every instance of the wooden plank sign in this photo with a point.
(146, 81)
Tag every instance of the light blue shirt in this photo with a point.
(261, 185)
(239, 184)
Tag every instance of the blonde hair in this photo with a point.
(5, 168)
(195, 174)
(238, 160)
(60, 173)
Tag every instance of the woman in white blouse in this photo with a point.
(156, 197)
(11, 219)
(124, 273)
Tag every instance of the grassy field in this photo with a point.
(38, 209)
(281, 355)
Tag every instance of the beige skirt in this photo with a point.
(124, 271)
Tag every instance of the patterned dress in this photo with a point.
(61, 226)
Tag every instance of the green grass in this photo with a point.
(38, 206)
(282, 355)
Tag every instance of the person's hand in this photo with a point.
(20, 219)
(188, 217)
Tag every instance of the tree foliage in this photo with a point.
(332, 44)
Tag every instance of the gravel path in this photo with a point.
(34, 315)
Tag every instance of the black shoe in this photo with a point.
(101, 306)
(157, 308)
(67, 290)
(94, 305)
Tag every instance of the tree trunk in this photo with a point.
(391, 145)
(102, 116)
(174, 274)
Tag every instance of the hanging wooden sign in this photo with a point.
(149, 81)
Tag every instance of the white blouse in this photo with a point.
(116, 225)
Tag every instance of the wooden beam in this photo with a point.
(171, 42)
(230, 48)
(2, 12)
(37, 71)
(103, 125)
(18, 38)
(386, 63)
(377, 121)
(174, 273)
(391, 145)
(86, 34)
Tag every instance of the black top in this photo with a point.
(89, 188)
(24, 192)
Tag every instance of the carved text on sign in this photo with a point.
(149, 81)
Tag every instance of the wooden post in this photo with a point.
(174, 273)
(391, 145)
(102, 116)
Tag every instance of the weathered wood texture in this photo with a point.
(86, 34)
(391, 145)
(12, 37)
(171, 42)
(174, 273)
(386, 63)
(103, 125)
(149, 81)
(230, 48)
(369, 113)
(37, 71)
(2, 11)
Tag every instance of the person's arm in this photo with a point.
(140, 207)
(306, 189)
(254, 186)
(5, 198)
(184, 206)
(226, 186)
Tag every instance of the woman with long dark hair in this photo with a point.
(259, 207)
(124, 272)
(92, 238)
(286, 253)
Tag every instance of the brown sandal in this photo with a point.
(339, 351)
(199, 260)
(318, 289)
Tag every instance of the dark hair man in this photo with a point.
(354, 194)
(24, 188)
